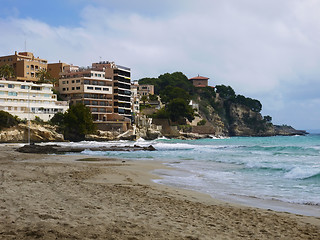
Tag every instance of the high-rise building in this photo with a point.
(25, 65)
(120, 76)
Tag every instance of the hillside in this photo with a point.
(215, 110)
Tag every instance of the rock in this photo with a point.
(38, 133)
(151, 135)
(50, 149)
(285, 130)
(102, 136)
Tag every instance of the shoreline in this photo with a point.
(49, 196)
(248, 201)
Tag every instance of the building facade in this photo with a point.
(145, 90)
(25, 65)
(90, 87)
(28, 100)
(54, 69)
(121, 78)
(199, 81)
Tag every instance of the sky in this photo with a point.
(265, 49)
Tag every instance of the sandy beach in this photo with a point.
(83, 197)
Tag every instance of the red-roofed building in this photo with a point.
(199, 81)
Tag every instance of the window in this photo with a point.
(78, 88)
(1, 85)
(97, 88)
(105, 89)
(12, 93)
(77, 81)
(24, 87)
(72, 81)
(46, 95)
(90, 88)
(1, 93)
(99, 75)
(72, 88)
(10, 85)
(63, 89)
(27, 66)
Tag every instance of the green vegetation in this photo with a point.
(7, 120)
(176, 79)
(174, 90)
(227, 93)
(202, 122)
(75, 123)
(178, 109)
(7, 71)
(44, 77)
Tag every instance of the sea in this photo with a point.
(280, 173)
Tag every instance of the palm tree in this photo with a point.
(44, 76)
(144, 99)
(7, 71)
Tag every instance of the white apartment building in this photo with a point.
(28, 100)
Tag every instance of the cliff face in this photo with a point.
(225, 118)
(38, 133)
(245, 122)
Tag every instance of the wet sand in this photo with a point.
(83, 197)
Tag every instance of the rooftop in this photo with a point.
(199, 78)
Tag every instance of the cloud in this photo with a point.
(267, 50)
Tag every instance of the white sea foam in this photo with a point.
(265, 168)
(302, 172)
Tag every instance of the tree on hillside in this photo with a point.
(144, 99)
(78, 122)
(170, 93)
(44, 76)
(178, 110)
(7, 120)
(225, 92)
(176, 79)
(7, 71)
(253, 104)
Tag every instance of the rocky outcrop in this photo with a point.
(285, 130)
(245, 122)
(38, 133)
(50, 149)
(102, 136)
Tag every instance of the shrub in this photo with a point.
(7, 120)
(202, 122)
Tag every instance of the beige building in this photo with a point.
(199, 81)
(28, 100)
(25, 65)
(145, 90)
(135, 99)
(90, 87)
(54, 69)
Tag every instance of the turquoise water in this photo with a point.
(279, 168)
